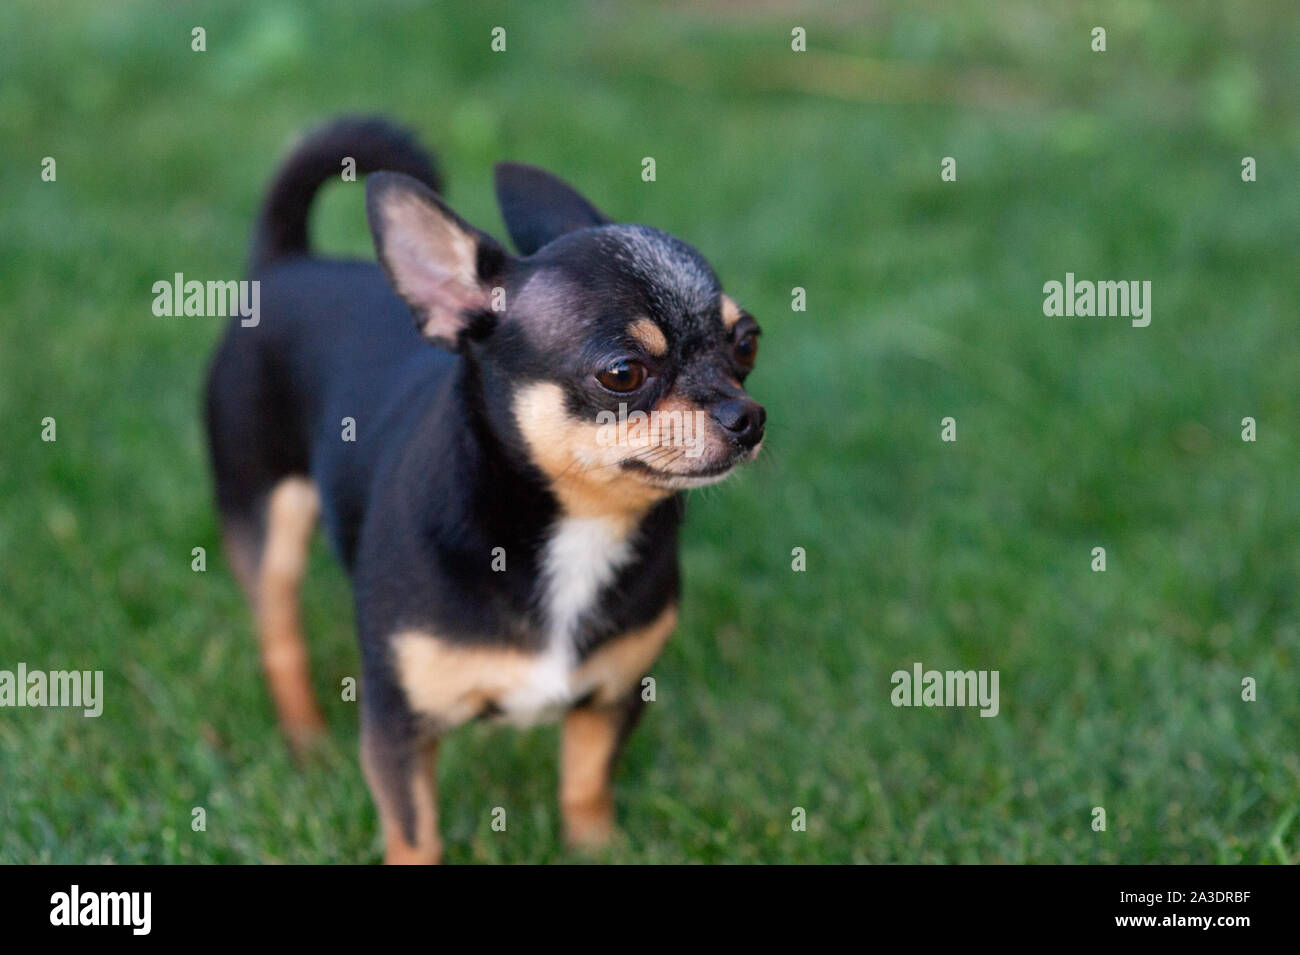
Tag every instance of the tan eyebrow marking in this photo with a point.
(650, 335)
(730, 313)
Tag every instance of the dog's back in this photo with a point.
(332, 344)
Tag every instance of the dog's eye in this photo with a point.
(623, 376)
(747, 350)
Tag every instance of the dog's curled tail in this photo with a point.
(372, 142)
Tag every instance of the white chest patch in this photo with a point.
(581, 559)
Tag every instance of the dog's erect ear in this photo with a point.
(537, 207)
(439, 264)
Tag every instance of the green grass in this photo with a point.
(818, 170)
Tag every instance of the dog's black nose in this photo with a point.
(743, 419)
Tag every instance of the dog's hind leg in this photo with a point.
(268, 510)
(291, 511)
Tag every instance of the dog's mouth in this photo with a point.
(695, 477)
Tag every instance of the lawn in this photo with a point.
(819, 170)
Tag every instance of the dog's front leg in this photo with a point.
(401, 770)
(592, 739)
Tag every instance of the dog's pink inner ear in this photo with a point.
(433, 264)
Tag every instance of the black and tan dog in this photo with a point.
(513, 554)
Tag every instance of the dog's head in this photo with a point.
(607, 353)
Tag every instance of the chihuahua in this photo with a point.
(513, 557)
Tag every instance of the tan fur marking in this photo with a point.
(650, 336)
(730, 312)
(586, 752)
(615, 667)
(592, 733)
(451, 683)
(424, 797)
(682, 425)
(291, 516)
(585, 475)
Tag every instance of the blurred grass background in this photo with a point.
(818, 170)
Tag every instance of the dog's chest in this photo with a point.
(452, 683)
(582, 557)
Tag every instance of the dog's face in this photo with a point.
(608, 354)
